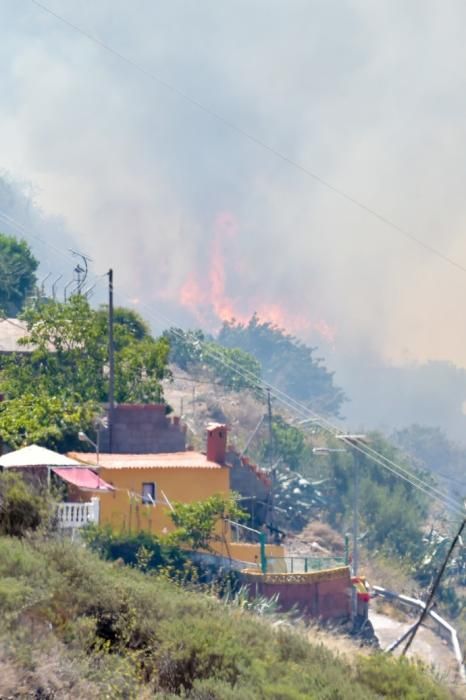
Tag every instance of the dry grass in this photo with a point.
(388, 573)
(47, 673)
(321, 534)
(344, 646)
(240, 410)
(384, 607)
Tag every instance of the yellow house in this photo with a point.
(146, 485)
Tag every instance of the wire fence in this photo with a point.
(302, 565)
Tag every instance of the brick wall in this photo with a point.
(323, 595)
(251, 482)
(144, 428)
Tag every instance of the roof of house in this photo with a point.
(159, 460)
(35, 456)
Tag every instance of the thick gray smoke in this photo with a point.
(193, 216)
(48, 236)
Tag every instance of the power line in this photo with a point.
(250, 136)
(324, 423)
(435, 586)
(22, 229)
(297, 407)
(65, 254)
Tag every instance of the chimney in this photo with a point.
(216, 442)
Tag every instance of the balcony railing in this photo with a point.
(75, 515)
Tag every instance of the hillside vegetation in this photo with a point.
(74, 626)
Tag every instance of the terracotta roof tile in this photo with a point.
(159, 460)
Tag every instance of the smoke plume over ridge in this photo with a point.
(202, 223)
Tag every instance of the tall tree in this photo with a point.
(233, 368)
(286, 363)
(67, 370)
(17, 274)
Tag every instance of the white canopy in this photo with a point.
(35, 456)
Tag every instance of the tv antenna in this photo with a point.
(81, 269)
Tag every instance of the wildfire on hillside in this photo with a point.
(207, 298)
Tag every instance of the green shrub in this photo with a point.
(398, 678)
(121, 633)
(141, 550)
(21, 508)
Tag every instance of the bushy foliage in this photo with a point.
(394, 678)
(392, 511)
(70, 342)
(288, 444)
(41, 418)
(17, 274)
(141, 549)
(54, 391)
(185, 346)
(22, 510)
(233, 368)
(201, 523)
(286, 363)
(133, 636)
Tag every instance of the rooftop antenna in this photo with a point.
(54, 287)
(79, 280)
(81, 270)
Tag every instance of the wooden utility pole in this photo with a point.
(111, 362)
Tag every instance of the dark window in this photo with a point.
(220, 434)
(148, 493)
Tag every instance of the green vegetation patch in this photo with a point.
(133, 635)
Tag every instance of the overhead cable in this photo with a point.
(250, 136)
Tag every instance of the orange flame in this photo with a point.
(207, 299)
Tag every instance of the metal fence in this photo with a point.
(302, 565)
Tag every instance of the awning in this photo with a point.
(83, 478)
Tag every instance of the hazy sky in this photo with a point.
(369, 95)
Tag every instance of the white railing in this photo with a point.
(73, 515)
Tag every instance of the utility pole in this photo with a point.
(424, 613)
(111, 362)
(269, 417)
(271, 457)
(356, 516)
(354, 441)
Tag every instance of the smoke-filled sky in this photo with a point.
(200, 222)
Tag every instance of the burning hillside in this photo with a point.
(206, 292)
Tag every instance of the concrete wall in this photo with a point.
(144, 428)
